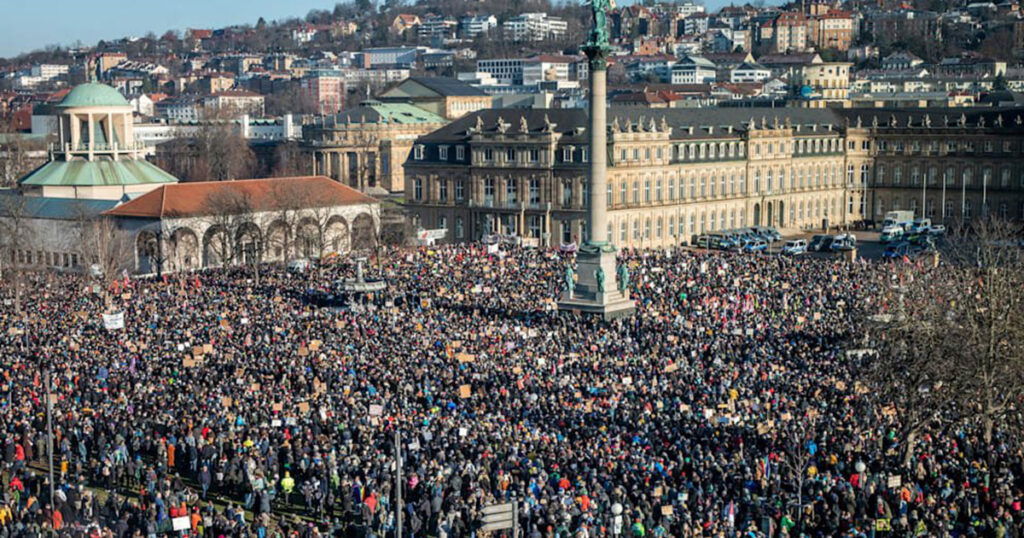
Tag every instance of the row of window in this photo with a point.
(949, 146)
(915, 174)
(703, 186)
(680, 152)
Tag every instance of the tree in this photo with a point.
(104, 248)
(215, 152)
(18, 156)
(915, 389)
(949, 353)
(985, 319)
(227, 211)
(16, 234)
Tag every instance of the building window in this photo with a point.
(489, 191)
(417, 188)
(623, 193)
(442, 222)
(417, 152)
(636, 229)
(442, 190)
(460, 228)
(915, 176)
(534, 155)
(672, 188)
(897, 175)
(460, 190)
(647, 191)
(636, 192)
(442, 153)
(460, 153)
(489, 155)
(510, 155)
(671, 225)
(511, 192)
(1004, 177)
(534, 192)
(585, 155)
(657, 190)
(623, 231)
(567, 155)
(567, 194)
(647, 228)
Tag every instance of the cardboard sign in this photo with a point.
(303, 407)
(207, 348)
(277, 407)
(671, 368)
(894, 481)
(465, 357)
(666, 510)
(254, 387)
(303, 351)
(226, 401)
(188, 362)
(315, 345)
(376, 410)
(197, 351)
(465, 391)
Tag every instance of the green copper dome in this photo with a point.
(93, 94)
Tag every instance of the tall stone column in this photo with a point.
(597, 219)
(598, 290)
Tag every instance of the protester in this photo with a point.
(724, 407)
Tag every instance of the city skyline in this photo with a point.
(34, 26)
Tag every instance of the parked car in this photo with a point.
(768, 233)
(816, 241)
(794, 247)
(891, 233)
(757, 245)
(844, 242)
(937, 229)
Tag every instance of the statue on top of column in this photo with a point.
(599, 33)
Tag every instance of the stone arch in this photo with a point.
(757, 214)
(147, 252)
(185, 250)
(307, 238)
(248, 243)
(336, 235)
(277, 238)
(216, 247)
(363, 232)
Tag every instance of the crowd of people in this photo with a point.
(727, 405)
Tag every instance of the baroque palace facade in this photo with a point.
(677, 173)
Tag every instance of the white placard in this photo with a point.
(113, 321)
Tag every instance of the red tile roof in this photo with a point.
(191, 199)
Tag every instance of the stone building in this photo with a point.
(187, 226)
(672, 173)
(365, 147)
(97, 185)
(953, 163)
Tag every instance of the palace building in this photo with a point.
(676, 173)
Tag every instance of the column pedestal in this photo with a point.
(587, 297)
